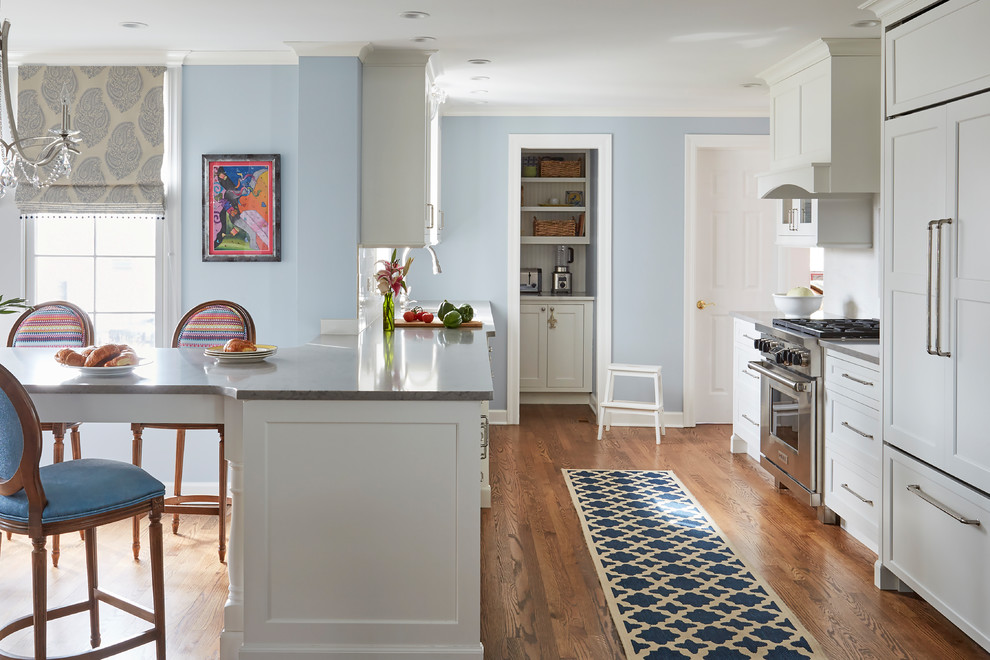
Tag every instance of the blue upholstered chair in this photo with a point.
(71, 497)
(207, 324)
(54, 324)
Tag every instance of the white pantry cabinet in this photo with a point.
(853, 444)
(555, 338)
(745, 391)
(400, 152)
(937, 308)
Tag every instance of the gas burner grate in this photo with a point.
(832, 328)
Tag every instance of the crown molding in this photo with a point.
(396, 57)
(241, 57)
(609, 113)
(98, 58)
(817, 51)
(330, 49)
(890, 11)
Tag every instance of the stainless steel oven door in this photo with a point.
(788, 424)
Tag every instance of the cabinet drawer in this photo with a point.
(744, 334)
(942, 54)
(854, 494)
(941, 558)
(855, 379)
(855, 427)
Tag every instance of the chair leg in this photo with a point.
(136, 451)
(222, 502)
(94, 583)
(76, 455)
(58, 455)
(39, 585)
(180, 453)
(157, 576)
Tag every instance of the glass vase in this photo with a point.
(388, 313)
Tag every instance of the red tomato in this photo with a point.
(409, 315)
(419, 315)
(427, 317)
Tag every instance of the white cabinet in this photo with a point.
(555, 345)
(844, 222)
(824, 127)
(941, 55)
(938, 542)
(745, 391)
(400, 152)
(853, 445)
(937, 307)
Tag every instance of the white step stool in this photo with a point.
(654, 408)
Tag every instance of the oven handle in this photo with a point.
(797, 386)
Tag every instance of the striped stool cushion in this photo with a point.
(54, 326)
(212, 326)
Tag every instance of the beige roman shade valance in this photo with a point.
(120, 112)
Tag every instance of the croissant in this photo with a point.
(238, 346)
(126, 357)
(70, 357)
(103, 354)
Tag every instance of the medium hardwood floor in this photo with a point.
(541, 598)
(540, 593)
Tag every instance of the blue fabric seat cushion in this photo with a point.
(75, 489)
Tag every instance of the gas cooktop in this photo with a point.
(832, 328)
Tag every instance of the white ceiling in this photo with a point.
(572, 57)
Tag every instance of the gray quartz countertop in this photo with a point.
(864, 350)
(407, 364)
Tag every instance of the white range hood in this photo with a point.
(825, 121)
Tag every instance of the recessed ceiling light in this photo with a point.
(750, 84)
(134, 25)
(480, 78)
(868, 23)
(479, 91)
(479, 61)
(421, 40)
(414, 14)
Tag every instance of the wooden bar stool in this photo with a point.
(654, 408)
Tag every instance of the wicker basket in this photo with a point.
(560, 168)
(554, 227)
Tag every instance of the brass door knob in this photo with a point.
(703, 303)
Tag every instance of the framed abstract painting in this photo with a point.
(241, 207)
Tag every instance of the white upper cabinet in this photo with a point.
(825, 121)
(400, 151)
(942, 54)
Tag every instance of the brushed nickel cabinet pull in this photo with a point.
(746, 417)
(856, 495)
(750, 338)
(747, 372)
(857, 380)
(856, 430)
(928, 289)
(916, 489)
(938, 290)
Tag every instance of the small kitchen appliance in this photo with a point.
(561, 273)
(530, 280)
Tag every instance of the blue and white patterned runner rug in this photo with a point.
(675, 587)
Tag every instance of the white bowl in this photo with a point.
(797, 306)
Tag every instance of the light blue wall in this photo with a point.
(647, 237)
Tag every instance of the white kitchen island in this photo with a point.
(353, 463)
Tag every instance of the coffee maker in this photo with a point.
(561, 273)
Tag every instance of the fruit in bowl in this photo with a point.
(799, 305)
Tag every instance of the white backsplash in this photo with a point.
(852, 280)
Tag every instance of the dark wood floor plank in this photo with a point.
(820, 572)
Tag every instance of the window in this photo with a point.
(106, 264)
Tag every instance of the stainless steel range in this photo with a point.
(793, 400)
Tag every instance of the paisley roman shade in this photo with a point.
(120, 112)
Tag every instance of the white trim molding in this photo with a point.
(602, 144)
(692, 144)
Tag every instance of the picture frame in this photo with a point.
(574, 197)
(242, 207)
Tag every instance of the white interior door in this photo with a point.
(731, 263)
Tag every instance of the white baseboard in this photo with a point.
(564, 398)
(500, 417)
(671, 419)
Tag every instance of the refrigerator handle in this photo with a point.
(938, 291)
(928, 290)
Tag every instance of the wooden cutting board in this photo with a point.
(402, 323)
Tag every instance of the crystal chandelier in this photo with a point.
(37, 160)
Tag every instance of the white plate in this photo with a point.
(109, 371)
(243, 357)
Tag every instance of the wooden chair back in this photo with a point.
(213, 323)
(20, 445)
(54, 324)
